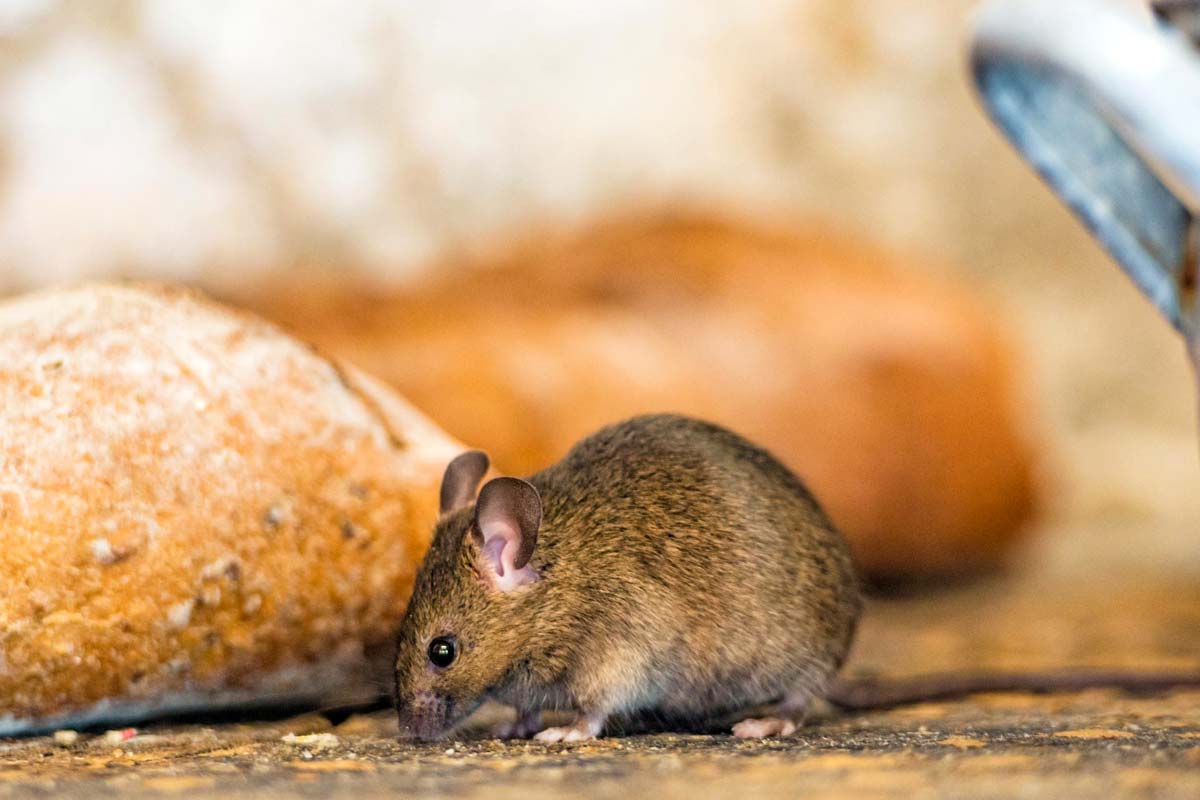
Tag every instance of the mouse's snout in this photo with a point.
(423, 716)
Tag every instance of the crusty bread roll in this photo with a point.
(892, 392)
(195, 509)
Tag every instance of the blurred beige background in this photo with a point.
(218, 142)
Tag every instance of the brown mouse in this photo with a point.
(665, 567)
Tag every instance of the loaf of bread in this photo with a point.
(195, 510)
(893, 392)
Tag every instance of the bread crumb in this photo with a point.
(65, 738)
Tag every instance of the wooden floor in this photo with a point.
(1051, 611)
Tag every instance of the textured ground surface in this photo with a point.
(1090, 744)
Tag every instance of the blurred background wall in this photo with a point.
(222, 142)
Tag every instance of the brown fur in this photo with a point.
(683, 572)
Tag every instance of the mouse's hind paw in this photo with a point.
(789, 717)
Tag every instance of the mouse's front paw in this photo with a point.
(764, 727)
(581, 730)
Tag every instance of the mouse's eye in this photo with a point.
(442, 651)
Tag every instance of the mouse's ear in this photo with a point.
(461, 478)
(507, 517)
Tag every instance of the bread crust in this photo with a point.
(194, 508)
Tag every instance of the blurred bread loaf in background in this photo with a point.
(195, 510)
(894, 393)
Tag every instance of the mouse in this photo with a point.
(664, 564)
(665, 567)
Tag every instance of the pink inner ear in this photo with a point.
(500, 545)
(493, 553)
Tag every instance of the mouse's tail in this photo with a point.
(866, 694)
